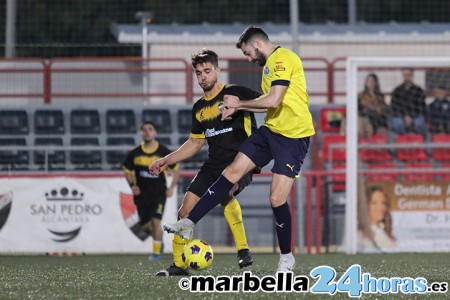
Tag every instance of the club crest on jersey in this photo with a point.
(266, 71)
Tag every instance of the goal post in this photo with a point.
(355, 67)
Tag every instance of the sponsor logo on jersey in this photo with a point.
(212, 132)
(279, 66)
(147, 174)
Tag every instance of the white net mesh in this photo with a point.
(400, 157)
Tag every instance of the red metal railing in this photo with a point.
(183, 69)
(51, 68)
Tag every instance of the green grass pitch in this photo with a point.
(132, 276)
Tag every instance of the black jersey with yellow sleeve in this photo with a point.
(139, 159)
(224, 137)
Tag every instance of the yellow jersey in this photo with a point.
(292, 117)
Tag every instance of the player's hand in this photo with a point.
(227, 113)
(231, 103)
(158, 166)
(136, 190)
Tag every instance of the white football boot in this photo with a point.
(183, 227)
(286, 263)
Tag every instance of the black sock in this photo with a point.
(283, 226)
(213, 196)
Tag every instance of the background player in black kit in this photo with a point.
(150, 191)
(224, 139)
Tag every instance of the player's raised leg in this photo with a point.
(213, 196)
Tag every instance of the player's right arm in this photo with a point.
(191, 147)
(131, 182)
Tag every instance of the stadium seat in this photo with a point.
(441, 154)
(161, 118)
(49, 122)
(84, 122)
(165, 140)
(338, 180)
(337, 154)
(85, 158)
(447, 175)
(120, 121)
(331, 119)
(418, 176)
(16, 159)
(117, 157)
(380, 177)
(13, 122)
(184, 117)
(54, 157)
(375, 155)
(416, 151)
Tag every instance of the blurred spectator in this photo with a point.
(371, 105)
(439, 112)
(371, 109)
(408, 106)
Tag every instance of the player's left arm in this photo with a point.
(282, 69)
(270, 100)
(244, 94)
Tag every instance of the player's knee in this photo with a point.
(233, 173)
(276, 200)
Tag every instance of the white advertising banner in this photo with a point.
(74, 214)
(408, 216)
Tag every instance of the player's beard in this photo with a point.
(208, 87)
(260, 58)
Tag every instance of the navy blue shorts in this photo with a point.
(288, 154)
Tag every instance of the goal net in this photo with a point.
(397, 154)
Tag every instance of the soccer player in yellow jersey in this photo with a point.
(284, 137)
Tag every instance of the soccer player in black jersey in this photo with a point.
(150, 191)
(224, 139)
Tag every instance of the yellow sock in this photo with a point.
(178, 245)
(157, 247)
(233, 214)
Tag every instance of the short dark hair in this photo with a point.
(205, 56)
(148, 123)
(249, 34)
